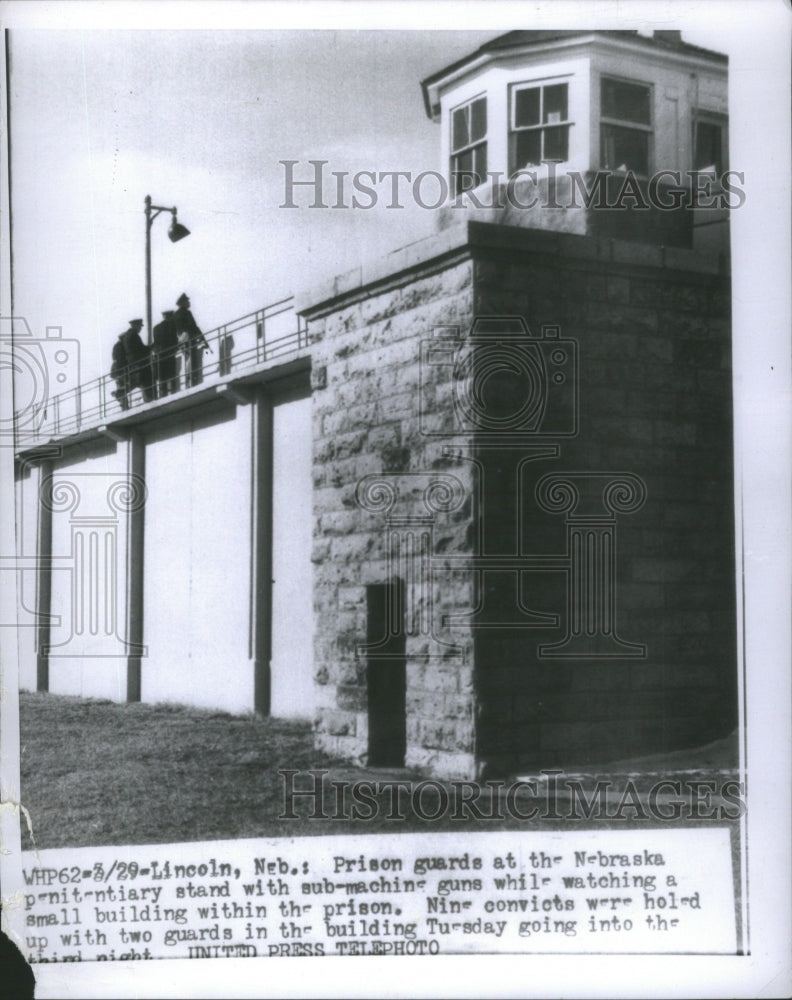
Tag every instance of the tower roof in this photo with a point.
(660, 41)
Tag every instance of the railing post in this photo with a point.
(261, 329)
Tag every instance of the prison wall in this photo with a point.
(654, 416)
(196, 562)
(292, 686)
(170, 560)
(385, 490)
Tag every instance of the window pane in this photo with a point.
(460, 127)
(461, 168)
(526, 107)
(556, 144)
(555, 103)
(625, 149)
(480, 162)
(528, 149)
(478, 114)
(469, 169)
(708, 146)
(627, 101)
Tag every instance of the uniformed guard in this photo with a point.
(138, 358)
(119, 372)
(166, 350)
(191, 340)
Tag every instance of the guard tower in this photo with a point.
(563, 118)
(524, 529)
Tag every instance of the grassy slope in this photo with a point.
(95, 772)
(107, 773)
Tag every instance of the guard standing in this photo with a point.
(192, 341)
(166, 361)
(138, 360)
(119, 372)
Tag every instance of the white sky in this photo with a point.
(200, 119)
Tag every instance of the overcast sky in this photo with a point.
(200, 119)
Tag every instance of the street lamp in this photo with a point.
(176, 232)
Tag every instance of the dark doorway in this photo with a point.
(386, 674)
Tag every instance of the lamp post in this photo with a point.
(176, 232)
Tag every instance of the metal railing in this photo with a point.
(267, 334)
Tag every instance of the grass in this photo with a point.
(98, 772)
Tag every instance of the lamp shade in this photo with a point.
(177, 231)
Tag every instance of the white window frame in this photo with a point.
(626, 123)
(702, 116)
(515, 130)
(477, 144)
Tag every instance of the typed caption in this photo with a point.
(632, 891)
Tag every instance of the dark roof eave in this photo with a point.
(523, 38)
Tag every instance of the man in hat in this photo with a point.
(138, 361)
(118, 371)
(192, 341)
(165, 348)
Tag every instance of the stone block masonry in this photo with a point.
(367, 429)
(493, 681)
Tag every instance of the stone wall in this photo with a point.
(649, 327)
(654, 400)
(371, 463)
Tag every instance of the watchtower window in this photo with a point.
(469, 145)
(709, 143)
(539, 125)
(625, 126)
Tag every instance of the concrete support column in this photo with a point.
(136, 472)
(261, 550)
(44, 574)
